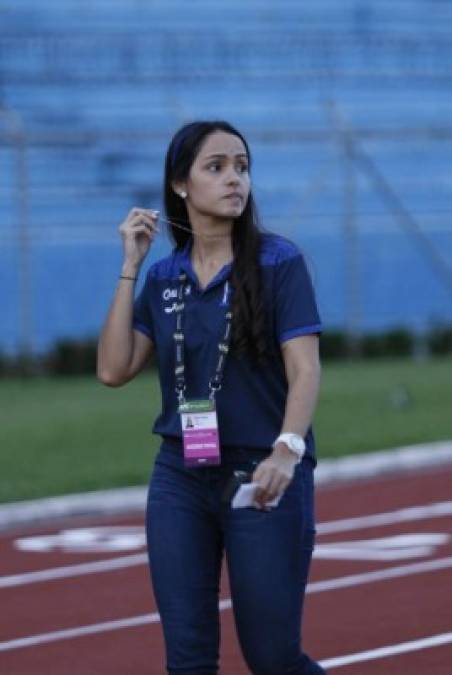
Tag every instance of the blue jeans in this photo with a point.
(268, 556)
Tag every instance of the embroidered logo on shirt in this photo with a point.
(169, 294)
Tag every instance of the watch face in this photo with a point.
(297, 443)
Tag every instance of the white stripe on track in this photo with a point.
(73, 570)
(379, 575)
(414, 513)
(91, 629)
(316, 587)
(389, 650)
(144, 619)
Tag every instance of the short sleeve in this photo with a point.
(296, 311)
(142, 319)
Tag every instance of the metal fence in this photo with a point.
(376, 232)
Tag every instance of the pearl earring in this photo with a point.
(183, 194)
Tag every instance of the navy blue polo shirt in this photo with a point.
(251, 402)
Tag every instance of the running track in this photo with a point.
(379, 600)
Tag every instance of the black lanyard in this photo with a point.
(179, 339)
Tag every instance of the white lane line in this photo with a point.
(91, 629)
(389, 650)
(388, 549)
(413, 513)
(379, 575)
(315, 587)
(73, 570)
(435, 510)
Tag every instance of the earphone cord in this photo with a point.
(190, 231)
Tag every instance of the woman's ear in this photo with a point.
(179, 189)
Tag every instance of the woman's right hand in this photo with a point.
(138, 231)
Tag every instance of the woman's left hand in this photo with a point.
(274, 474)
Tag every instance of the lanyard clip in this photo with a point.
(214, 386)
(180, 394)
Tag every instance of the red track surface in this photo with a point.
(339, 621)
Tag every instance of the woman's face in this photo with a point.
(218, 184)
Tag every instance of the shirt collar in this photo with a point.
(186, 266)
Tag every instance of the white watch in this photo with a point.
(294, 442)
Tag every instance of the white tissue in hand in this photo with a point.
(245, 497)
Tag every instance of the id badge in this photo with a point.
(200, 433)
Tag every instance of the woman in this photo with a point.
(232, 319)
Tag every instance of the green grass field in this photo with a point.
(71, 435)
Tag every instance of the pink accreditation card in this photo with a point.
(200, 433)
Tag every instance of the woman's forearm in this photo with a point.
(119, 355)
(115, 347)
(301, 400)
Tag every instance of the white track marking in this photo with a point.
(439, 509)
(104, 539)
(316, 587)
(73, 570)
(389, 650)
(91, 629)
(397, 547)
(435, 510)
(123, 562)
(379, 575)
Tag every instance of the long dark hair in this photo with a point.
(249, 327)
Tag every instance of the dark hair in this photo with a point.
(249, 325)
